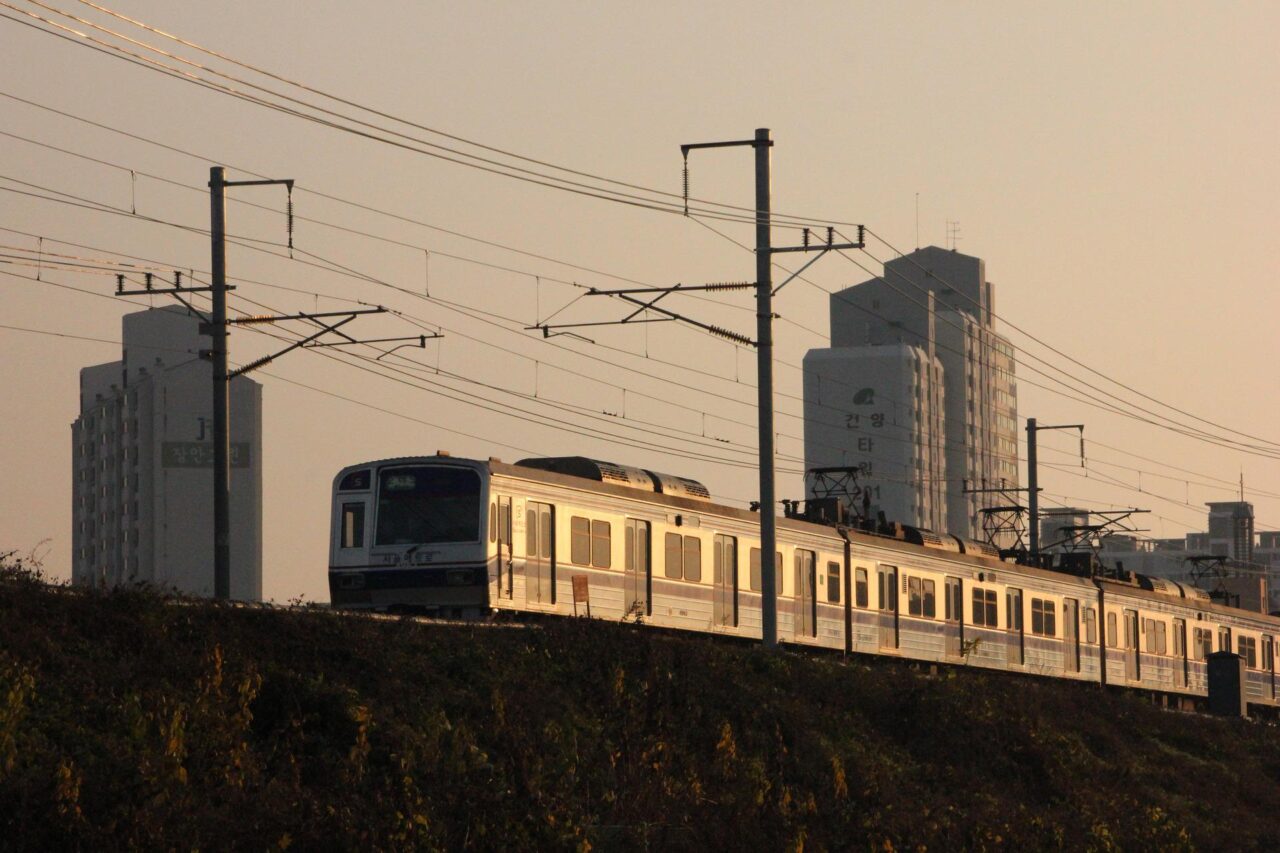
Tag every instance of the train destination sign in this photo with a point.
(199, 454)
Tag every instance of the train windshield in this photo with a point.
(421, 505)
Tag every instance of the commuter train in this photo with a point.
(465, 538)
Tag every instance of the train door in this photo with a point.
(540, 562)
(501, 534)
(805, 622)
(954, 612)
(1013, 619)
(1071, 635)
(725, 577)
(1132, 665)
(1180, 652)
(1269, 662)
(887, 577)
(637, 581)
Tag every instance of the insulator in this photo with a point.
(686, 183)
(177, 279)
(288, 209)
(729, 285)
(830, 235)
(806, 238)
(119, 282)
(725, 333)
(147, 276)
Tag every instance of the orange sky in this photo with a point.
(1115, 167)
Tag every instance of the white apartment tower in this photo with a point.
(916, 350)
(142, 465)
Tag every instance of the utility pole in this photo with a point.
(765, 291)
(764, 389)
(765, 250)
(218, 332)
(1033, 477)
(217, 326)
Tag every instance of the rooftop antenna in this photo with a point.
(953, 233)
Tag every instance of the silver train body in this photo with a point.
(465, 538)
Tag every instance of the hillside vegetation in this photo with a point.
(131, 720)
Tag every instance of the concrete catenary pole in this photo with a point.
(764, 362)
(1033, 493)
(221, 390)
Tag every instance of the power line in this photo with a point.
(480, 163)
(454, 137)
(1069, 358)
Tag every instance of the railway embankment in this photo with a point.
(129, 720)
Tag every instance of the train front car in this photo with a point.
(408, 535)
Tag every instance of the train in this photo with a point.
(465, 538)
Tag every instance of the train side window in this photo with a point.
(1248, 649)
(1268, 653)
(591, 542)
(1111, 630)
(1162, 638)
(1090, 625)
(674, 567)
(692, 558)
(754, 560)
(580, 540)
(833, 582)
(601, 544)
(954, 600)
(1043, 618)
(353, 525)
(913, 596)
(493, 521)
(984, 608)
(1203, 645)
(860, 587)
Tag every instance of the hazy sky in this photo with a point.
(1114, 164)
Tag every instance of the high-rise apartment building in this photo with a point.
(143, 465)
(920, 342)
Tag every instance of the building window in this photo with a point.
(1224, 639)
(984, 608)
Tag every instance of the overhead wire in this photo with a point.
(1070, 358)
(374, 131)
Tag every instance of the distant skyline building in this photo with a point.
(918, 391)
(142, 465)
